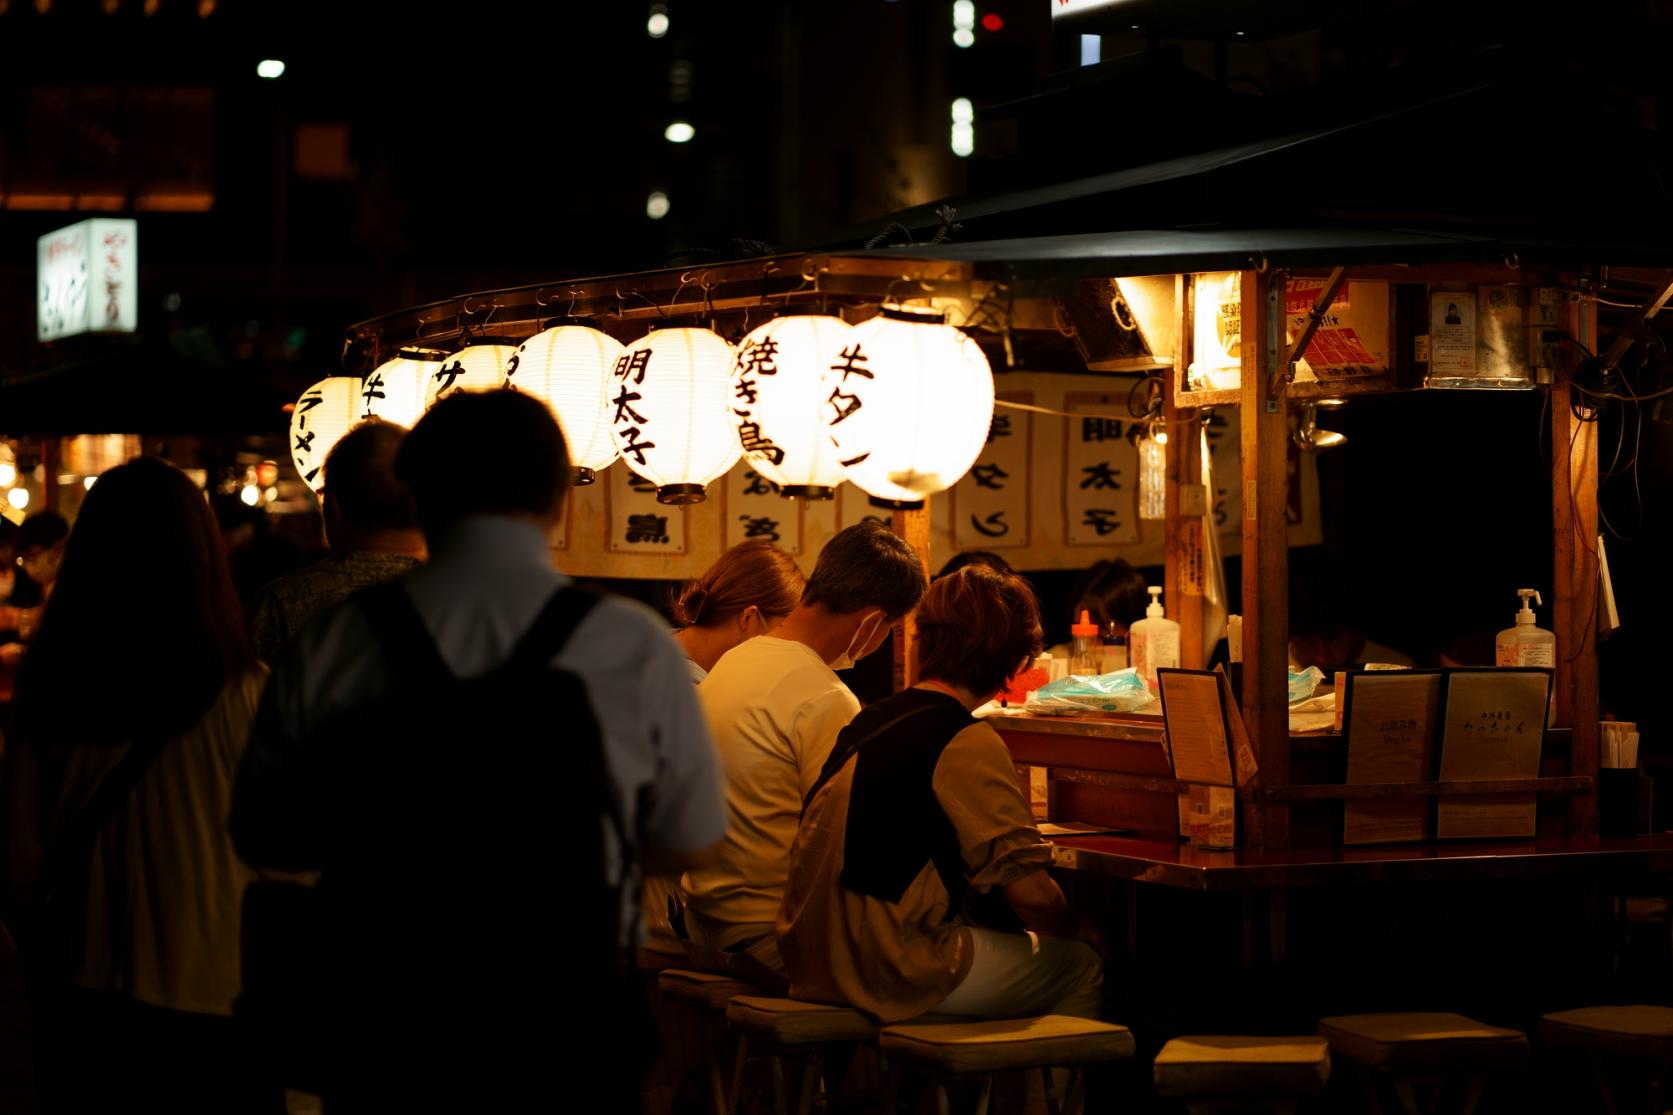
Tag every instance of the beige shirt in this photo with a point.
(166, 891)
(897, 960)
(774, 709)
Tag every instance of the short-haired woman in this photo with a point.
(748, 592)
(917, 828)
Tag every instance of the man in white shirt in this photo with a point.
(775, 705)
(477, 885)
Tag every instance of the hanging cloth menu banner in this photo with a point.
(1100, 472)
(638, 523)
(990, 503)
(755, 511)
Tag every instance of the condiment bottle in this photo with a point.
(1115, 650)
(1086, 652)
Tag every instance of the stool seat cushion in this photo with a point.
(1424, 1043)
(711, 990)
(793, 1022)
(1639, 1031)
(1238, 1067)
(1012, 1043)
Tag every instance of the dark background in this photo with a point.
(413, 152)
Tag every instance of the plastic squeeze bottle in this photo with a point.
(1086, 653)
(1154, 640)
(1525, 644)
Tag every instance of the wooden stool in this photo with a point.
(1214, 1073)
(1424, 1049)
(980, 1049)
(1641, 1034)
(789, 1026)
(708, 993)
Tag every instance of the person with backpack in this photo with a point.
(482, 761)
(917, 882)
(118, 779)
(775, 705)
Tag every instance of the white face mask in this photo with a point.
(845, 660)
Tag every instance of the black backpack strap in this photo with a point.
(406, 643)
(551, 630)
(849, 744)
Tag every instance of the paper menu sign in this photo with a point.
(1452, 326)
(1194, 716)
(1493, 728)
(1392, 720)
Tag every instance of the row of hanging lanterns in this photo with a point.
(900, 405)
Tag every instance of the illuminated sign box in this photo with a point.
(1060, 8)
(87, 279)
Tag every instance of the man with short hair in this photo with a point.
(483, 761)
(370, 525)
(775, 706)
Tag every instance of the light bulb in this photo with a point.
(18, 498)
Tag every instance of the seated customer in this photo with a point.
(748, 592)
(1113, 596)
(775, 705)
(917, 836)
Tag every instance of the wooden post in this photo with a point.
(1574, 536)
(914, 527)
(1265, 553)
(1185, 571)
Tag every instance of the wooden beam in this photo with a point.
(914, 527)
(1574, 536)
(1266, 625)
(1185, 569)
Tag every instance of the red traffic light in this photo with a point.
(993, 21)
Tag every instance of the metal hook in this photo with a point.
(574, 293)
(538, 300)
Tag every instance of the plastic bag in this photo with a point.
(1303, 684)
(1122, 691)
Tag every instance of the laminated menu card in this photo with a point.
(1492, 729)
(1391, 721)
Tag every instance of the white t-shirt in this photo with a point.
(774, 709)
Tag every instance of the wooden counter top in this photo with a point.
(1185, 867)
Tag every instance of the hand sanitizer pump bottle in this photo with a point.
(1154, 641)
(1525, 644)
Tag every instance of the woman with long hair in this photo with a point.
(132, 710)
(748, 592)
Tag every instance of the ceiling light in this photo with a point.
(679, 132)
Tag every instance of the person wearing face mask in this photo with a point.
(748, 592)
(774, 706)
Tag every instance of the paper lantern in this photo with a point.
(570, 367)
(909, 402)
(670, 393)
(479, 366)
(778, 402)
(395, 389)
(324, 413)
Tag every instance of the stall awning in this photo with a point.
(1168, 251)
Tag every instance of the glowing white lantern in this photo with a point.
(570, 367)
(395, 389)
(669, 397)
(778, 398)
(909, 401)
(479, 366)
(324, 413)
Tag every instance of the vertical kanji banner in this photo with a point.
(1100, 472)
(755, 510)
(990, 504)
(638, 523)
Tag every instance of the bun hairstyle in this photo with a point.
(690, 607)
(750, 574)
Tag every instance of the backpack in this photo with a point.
(464, 877)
